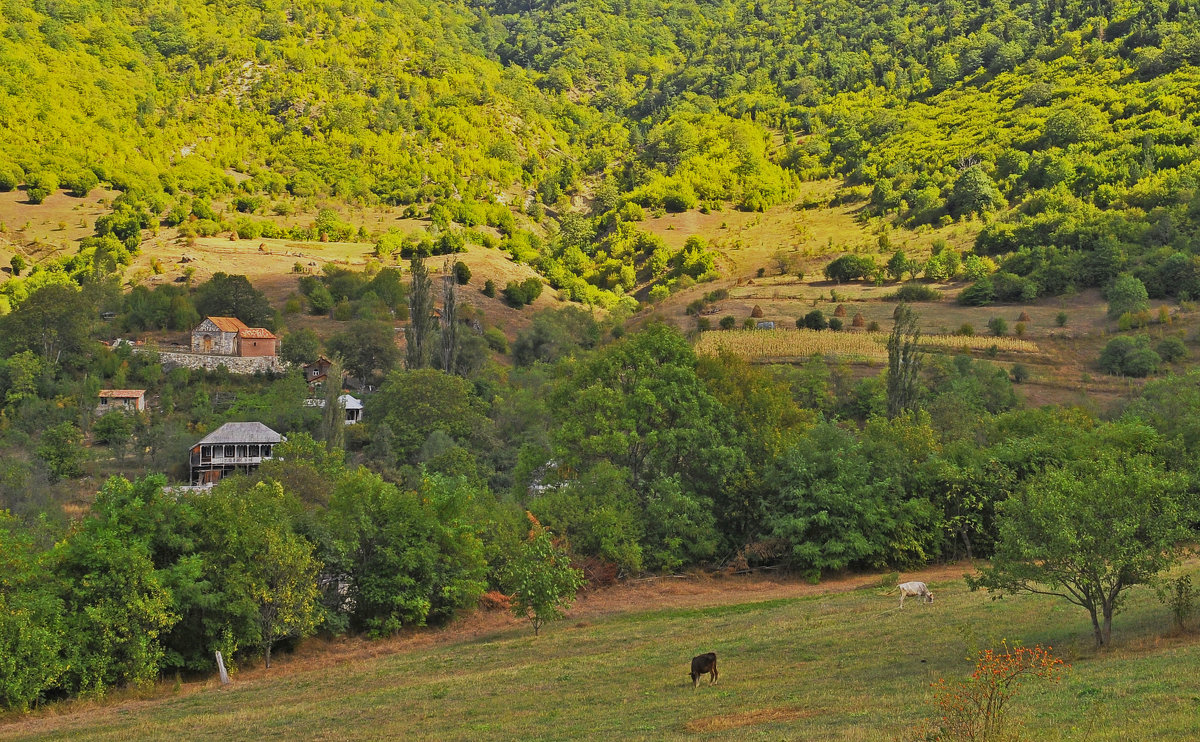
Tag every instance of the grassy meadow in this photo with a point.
(826, 666)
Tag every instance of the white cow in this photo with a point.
(916, 590)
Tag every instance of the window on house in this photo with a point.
(229, 450)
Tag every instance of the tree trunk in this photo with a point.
(1099, 632)
(268, 655)
(1106, 630)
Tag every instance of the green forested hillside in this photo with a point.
(1070, 127)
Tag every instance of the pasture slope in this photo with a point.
(835, 661)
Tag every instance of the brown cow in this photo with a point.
(704, 664)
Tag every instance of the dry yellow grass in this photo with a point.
(781, 344)
(723, 722)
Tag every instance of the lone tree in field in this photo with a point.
(541, 579)
(1127, 294)
(1088, 532)
(904, 361)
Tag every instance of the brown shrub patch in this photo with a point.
(722, 722)
(494, 600)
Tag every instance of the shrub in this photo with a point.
(915, 292)
(496, 339)
(978, 294)
(977, 708)
(872, 326)
(1172, 349)
(10, 178)
(749, 323)
(41, 185)
(489, 288)
(1020, 374)
(998, 326)
(1019, 329)
(728, 322)
(814, 320)
(462, 273)
(850, 268)
(967, 330)
(1127, 294)
(835, 324)
(1061, 319)
(1126, 356)
(658, 292)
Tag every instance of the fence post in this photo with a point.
(221, 669)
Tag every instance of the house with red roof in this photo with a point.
(229, 336)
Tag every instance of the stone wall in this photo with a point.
(235, 364)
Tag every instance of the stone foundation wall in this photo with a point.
(235, 364)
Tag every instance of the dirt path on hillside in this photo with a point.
(652, 594)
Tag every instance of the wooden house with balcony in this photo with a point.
(231, 448)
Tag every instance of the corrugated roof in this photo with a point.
(241, 433)
(350, 403)
(122, 393)
(257, 333)
(228, 324)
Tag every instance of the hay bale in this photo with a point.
(756, 312)
(1024, 317)
(840, 311)
(859, 320)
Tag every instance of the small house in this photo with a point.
(124, 400)
(229, 336)
(231, 448)
(315, 372)
(352, 406)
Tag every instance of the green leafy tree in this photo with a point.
(1057, 537)
(32, 632)
(61, 450)
(114, 429)
(540, 578)
(299, 347)
(974, 192)
(366, 347)
(226, 295)
(17, 263)
(1127, 294)
(462, 273)
(283, 584)
(416, 403)
(117, 607)
(407, 557)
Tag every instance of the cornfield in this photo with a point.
(782, 344)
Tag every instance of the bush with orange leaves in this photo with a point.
(975, 709)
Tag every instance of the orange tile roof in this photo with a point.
(228, 324)
(257, 333)
(121, 393)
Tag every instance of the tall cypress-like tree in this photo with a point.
(904, 362)
(420, 312)
(449, 318)
(333, 421)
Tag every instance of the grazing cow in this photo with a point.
(916, 590)
(704, 664)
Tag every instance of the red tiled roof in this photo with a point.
(228, 324)
(257, 333)
(122, 393)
